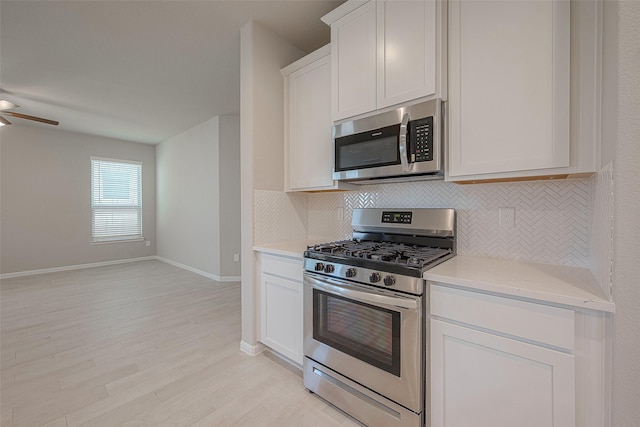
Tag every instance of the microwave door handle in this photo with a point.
(404, 157)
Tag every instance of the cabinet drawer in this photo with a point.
(537, 322)
(290, 268)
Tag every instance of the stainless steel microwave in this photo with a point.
(401, 144)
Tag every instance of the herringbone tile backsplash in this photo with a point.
(553, 219)
(279, 216)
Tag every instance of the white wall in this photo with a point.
(194, 169)
(262, 55)
(626, 268)
(45, 188)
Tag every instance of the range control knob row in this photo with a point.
(389, 281)
(351, 272)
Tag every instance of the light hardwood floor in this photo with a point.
(140, 344)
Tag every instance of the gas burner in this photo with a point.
(330, 247)
(412, 256)
(415, 262)
(384, 256)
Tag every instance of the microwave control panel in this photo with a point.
(421, 139)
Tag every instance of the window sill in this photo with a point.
(103, 242)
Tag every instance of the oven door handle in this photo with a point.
(345, 289)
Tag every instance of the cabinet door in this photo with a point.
(281, 316)
(310, 162)
(353, 62)
(406, 50)
(484, 380)
(509, 86)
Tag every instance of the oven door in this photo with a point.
(371, 336)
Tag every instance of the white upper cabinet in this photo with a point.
(406, 51)
(353, 56)
(509, 86)
(308, 161)
(384, 53)
(522, 83)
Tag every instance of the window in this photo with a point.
(116, 200)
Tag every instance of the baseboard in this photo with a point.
(252, 350)
(200, 272)
(74, 267)
(120, 261)
(283, 360)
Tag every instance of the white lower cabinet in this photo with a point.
(281, 305)
(480, 379)
(499, 361)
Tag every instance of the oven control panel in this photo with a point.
(365, 276)
(396, 217)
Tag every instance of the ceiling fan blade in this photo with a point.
(28, 117)
(4, 121)
(6, 105)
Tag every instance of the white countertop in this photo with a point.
(294, 249)
(571, 286)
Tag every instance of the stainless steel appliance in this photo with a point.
(364, 313)
(402, 144)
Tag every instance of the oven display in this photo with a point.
(396, 217)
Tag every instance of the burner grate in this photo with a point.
(413, 256)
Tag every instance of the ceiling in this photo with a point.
(139, 71)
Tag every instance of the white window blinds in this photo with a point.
(116, 199)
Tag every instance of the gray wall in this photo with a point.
(197, 181)
(187, 208)
(626, 268)
(229, 181)
(45, 201)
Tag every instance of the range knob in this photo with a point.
(389, 281)
(319, 266)
(329, 268)
(351, 272)
(374, 277)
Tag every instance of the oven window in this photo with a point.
(364, 331)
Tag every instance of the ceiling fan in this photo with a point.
(6, 105)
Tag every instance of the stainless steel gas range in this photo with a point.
(364, 313)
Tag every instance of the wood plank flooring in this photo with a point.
(140, 344)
